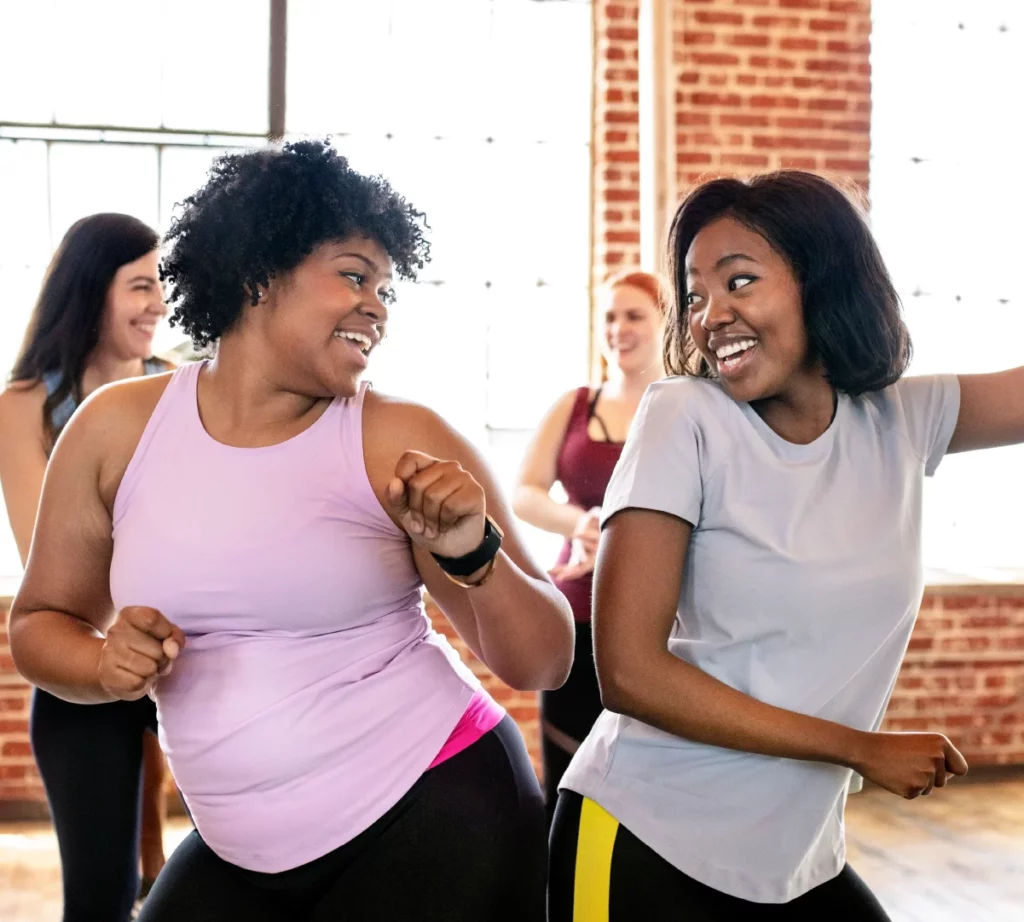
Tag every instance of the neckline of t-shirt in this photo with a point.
(794, 451)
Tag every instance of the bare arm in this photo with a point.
(991, 411)
(519, 625)
(64, 604)
(538, 472)
(633, 617)
(63, 608)
(22, 460)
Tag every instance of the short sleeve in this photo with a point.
(659, 468)
(931, 406)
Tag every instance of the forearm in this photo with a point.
(524, 628)
(58, 653)
(536, 507)
(681, 699)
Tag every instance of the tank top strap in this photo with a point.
(593, 414)
(155, 366)
(345, 432)
(580, 414)
(64, 410)
(172, 408)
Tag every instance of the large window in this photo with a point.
(478, 111)
(946, 201)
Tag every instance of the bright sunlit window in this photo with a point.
(120, 105)
(946, 205)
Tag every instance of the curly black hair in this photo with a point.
(262, 212)
(851, 309)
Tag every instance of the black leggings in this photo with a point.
(90, 760)
(640, 884)
(467, 843)
(567, 715)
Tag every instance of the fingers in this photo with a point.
(574, 571)
(148, 620)
(429, 494)
(140, 645)
(411, 463)
(955, 762)
(408, 466)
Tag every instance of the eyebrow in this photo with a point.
(724, 261)
(142, 278)
(373, 267)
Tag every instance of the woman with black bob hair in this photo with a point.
(760, 572)
(93, 323)
(338, 759)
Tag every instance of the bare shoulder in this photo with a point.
(21, 413)
(122, 404)
(394, 425)
(106, 430)
(21, 399)
(558, 416)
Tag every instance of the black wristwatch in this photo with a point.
(474, 560)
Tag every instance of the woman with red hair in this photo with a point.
(578, 444)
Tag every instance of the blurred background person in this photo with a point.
(577, 444)
(93, 323)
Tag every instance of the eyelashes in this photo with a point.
(387, 296)
(692, 297)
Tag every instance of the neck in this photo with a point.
(245, 394)
(103, 368)
(803, 413)
(632, 385)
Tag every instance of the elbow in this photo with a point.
(521, 502)
(16, 625)
(617, 686)
(546, 667)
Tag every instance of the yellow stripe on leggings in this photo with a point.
(598, 829)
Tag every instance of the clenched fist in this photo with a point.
(140, 646)
(910, 764)
(439, 504)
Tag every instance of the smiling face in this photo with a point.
(326, 316)
(133, 309)
(746, 313)
(633, 326)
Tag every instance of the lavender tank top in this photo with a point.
(312, 691)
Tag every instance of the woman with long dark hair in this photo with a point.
(93, 323)
(760, 572)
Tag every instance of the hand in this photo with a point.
(440, 505)
(582, 559)
(588, 529)
(140, 646)
(584, 540)
(910, 764)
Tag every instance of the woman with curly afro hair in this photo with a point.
(338, 759)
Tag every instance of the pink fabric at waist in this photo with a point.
(482, 715)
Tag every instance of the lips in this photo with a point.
(145, 327)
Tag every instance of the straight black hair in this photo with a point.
(852, 312)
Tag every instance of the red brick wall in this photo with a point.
(964, 674)
(616, 141)
(770, 84)
(759, 84)
(19, 781)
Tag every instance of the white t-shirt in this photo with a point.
(801, 585)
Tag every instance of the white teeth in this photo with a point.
(723, 352)
(362, 339)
